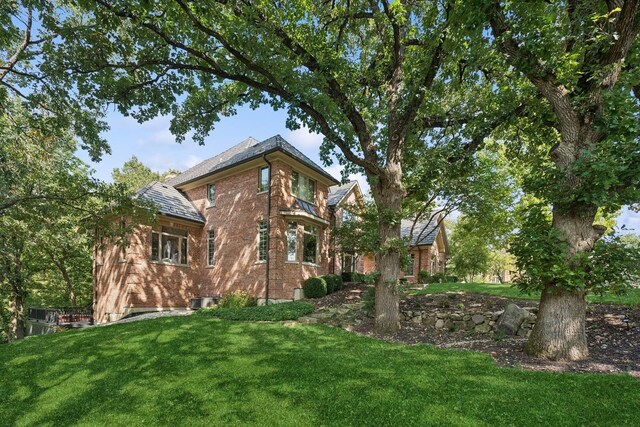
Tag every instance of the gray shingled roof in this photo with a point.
(170, 201)
(248, 149)
(424, 232)
(338, 192)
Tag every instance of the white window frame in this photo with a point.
(211, 201)
(303, 180)
(211, 251)
(292, 241)
(263, 187)
(262, 231)
(163, 236)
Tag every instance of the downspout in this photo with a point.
(332, 211)
(266, 301)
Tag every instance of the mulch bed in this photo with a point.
(613, 331)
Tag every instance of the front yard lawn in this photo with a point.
(201, 371)
(632, 298)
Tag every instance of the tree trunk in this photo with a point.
(388, 194)
(16, 319)
(69, 284)
(559, 332)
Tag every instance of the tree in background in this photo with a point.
(134, 175)
(582, 60)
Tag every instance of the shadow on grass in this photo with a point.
(198, 371)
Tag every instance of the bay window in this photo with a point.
(310, 244)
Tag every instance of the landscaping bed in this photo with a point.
(613, 331)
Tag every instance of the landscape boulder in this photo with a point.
(511, 319)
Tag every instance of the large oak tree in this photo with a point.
(582, 57)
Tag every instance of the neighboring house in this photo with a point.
(253, 218)
(428, 248)
(343, 200)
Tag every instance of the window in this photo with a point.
(348, 263)
(211, 194)
(263, 183)
(408, 271)
(262, 241)
(169, 246)
(303, 187)
(310, 244)
(210, 247)
(292, 242)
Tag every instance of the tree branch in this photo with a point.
(22, 47)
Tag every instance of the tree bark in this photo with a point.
(16, 322)
(559, 332)
(388, 194)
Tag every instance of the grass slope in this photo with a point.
(200, 371)
(506, 290)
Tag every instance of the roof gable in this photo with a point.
(248, 149)
(337, 193)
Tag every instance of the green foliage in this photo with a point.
(134, 175)
(314, 287)
(334, 282)
(470, 255)
(369, 300)
(541, 257)
(50, 210)
(262, 313)
(238, 299)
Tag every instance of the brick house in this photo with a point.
(255, 218)
(428, 248)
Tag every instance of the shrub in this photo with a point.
(238, 299)
(369, 300)
(438, 278)
(314, 287)
(404, 281)
(339, 282)
(423, 276)
(348, 277)
(334, 282)
(269, 313)
(451, 279)
(331, 283)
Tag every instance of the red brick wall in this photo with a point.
(123, 285)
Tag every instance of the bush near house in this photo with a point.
(265, 313)
(314, 287)
(238, 299)
(334, 282)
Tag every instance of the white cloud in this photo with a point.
(630, 219)
(304, 139)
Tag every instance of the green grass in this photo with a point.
(199, 371)
(632, 297)
(272, 312)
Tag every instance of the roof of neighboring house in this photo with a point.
(338, 192)
(245, 151)
(424, 232)
(170, 201)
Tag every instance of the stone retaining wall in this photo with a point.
(469, 320)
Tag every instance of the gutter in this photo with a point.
(264, 156)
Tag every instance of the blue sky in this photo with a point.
(153, 145)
